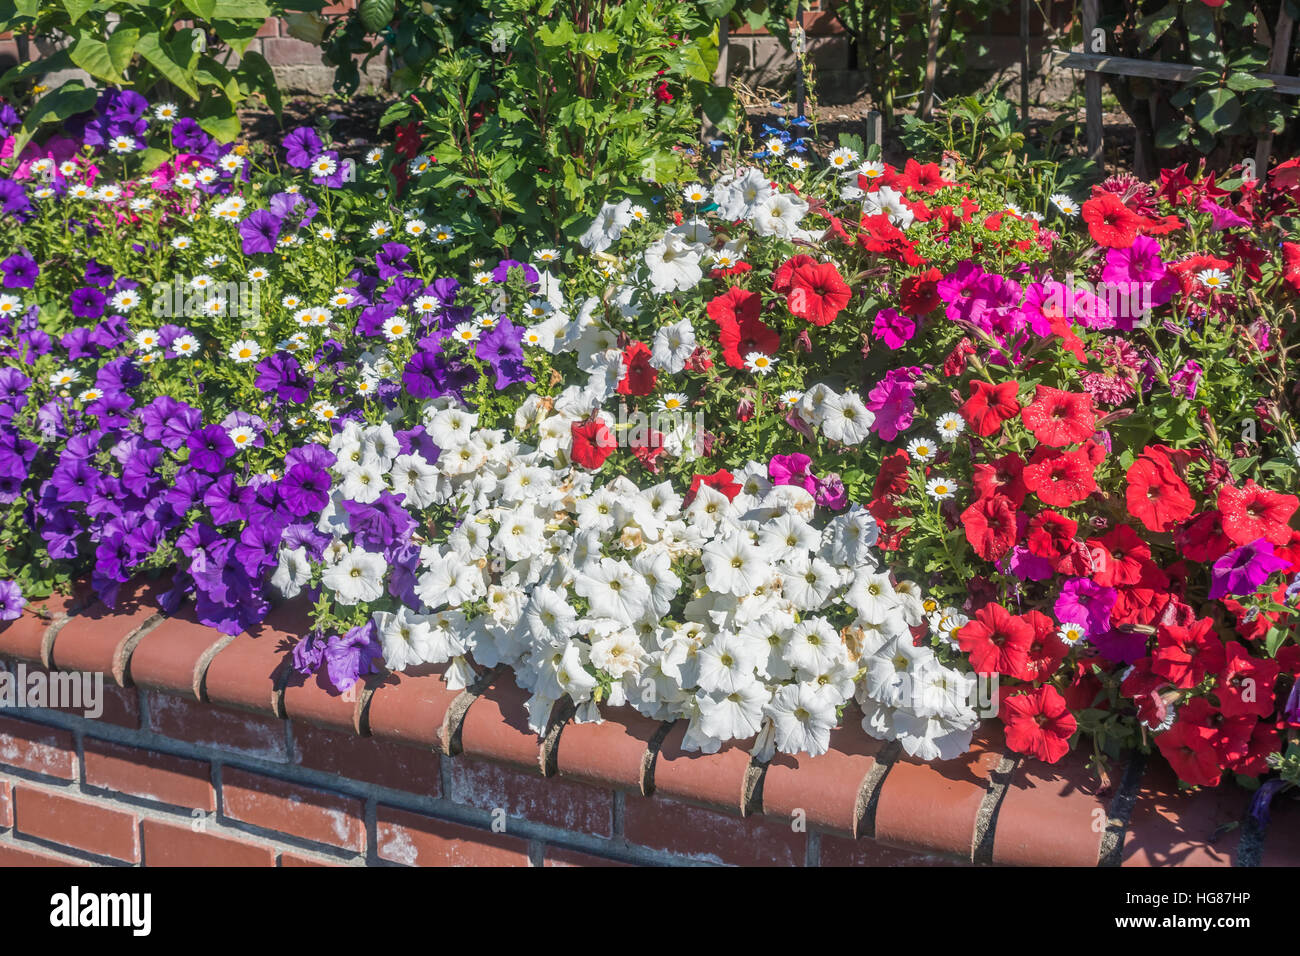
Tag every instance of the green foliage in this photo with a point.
(171, 48)
(537, 111)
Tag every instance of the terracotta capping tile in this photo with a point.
(1282, 836)
(174, 655)
(1170, 827)
(314, 700)
(495, 725)
(249, 671)
(410, 707)
(936, 806)
(28, 637)
(724, 780)
(102, 639)
(618, 752)
(831, 790)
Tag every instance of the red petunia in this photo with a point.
(1059, 418)
(1189, 748)
(1245, 685)
(593, 442)
(1110, 222)
(1291, 265)
(919, 294)
(1003, 476)
(990, 525)
(1231, 740)
(817, 293)
(1123, 556)
(1264, 740)
(738, 339)
(1060, 478)
(1038, 723)
(641, 375)
(1202, 538)
(1047, 650)
(1156, 496)
(990, 405)
(721, 481)
(997, 642)
(1251, 512)
(1184, 655)
(734, 305)
(1050, 534)
(926, 178)
(783, 277)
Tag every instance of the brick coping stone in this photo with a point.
(622, 788)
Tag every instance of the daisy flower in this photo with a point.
(46, 192)
(940, 488)
(421, 164)
(1212, 278)
(90, 395)
(126, 300)
(426, 305)
(674, 401)
(791, 398)
(696, 193)
(843, 159)
(207, 176)
(482, 278)
(68, 167)
(760, 363)
(146, 339)
(212, 261)
(81, 191)
(109, 193)
(186, 181)
(242, 436)
(872, 170)
(486, 321)
(244, 351)
(1065, 205)
(374, 156)
(378, 229)
(201, 282)
(538, 309)
(442, 234)
(416, 227)
(775, 146)
(797, 163)
(258, 274)
(166, 112)
(639, 214)
(181, 242)
(922, 449)
(950, 426)
(465, 332)
(231, 162)
(547, 255)
(214, 306)
(324, 411)
(291, 301)
(10, 305)
(1071, 633)
(364, 388)
(341, 300)
(186, 345)
(122, 144)
(326, 233)
(64, 376)
(395, 328)
(323, 166)
(141, 204)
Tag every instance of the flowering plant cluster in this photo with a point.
(821, 430)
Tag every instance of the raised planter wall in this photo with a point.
(207, 754)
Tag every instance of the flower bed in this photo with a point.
(813, 433)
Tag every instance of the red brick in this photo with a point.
(271, 28)
(173, 656)
(1052, 814)
(1188, 828)
(170, 844)
(932, 806)
(825, 788)
(841, 851)
(418, 840)
(17, 854)
(411, 706)
(149, 775)
(702, 834)
(37, 749)
(559, 857)
(716, 780)
(384, 764)
(299, 859)
(559, 803)
(84, 824)
(99, 638)
(118, 705)
(496, 726)
(24, 638)
(6, 805)
(612, 753)
(288, 51)
(247, 672)
(317, 815)
(209, 726)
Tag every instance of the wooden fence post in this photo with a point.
(1092, 85)
(931, 59)
(1276, 64)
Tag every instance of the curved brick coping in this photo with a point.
(861, 803)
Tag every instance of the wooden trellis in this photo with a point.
(1095, 64)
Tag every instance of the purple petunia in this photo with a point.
(283, 375)
(260, 231)
(301, 146)
(20, 272)
(1242, 570)
(209, 448)
(87, 303)
(12, 601)
(1084, 602)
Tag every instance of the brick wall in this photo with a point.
(161, 781)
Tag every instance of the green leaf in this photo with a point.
(179, 76)
(222, 125)
(1245, 82)
(239, 9)
(563, 35)
(1155, 25)
(121, 47)
(376, 14)
(1216, 110)
(201, 8)
(255, 64)
(236, 34)
(396, 113)
(1171, 135)
(68, 100)
(153, 158)
(92, 56)
(76, 9)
